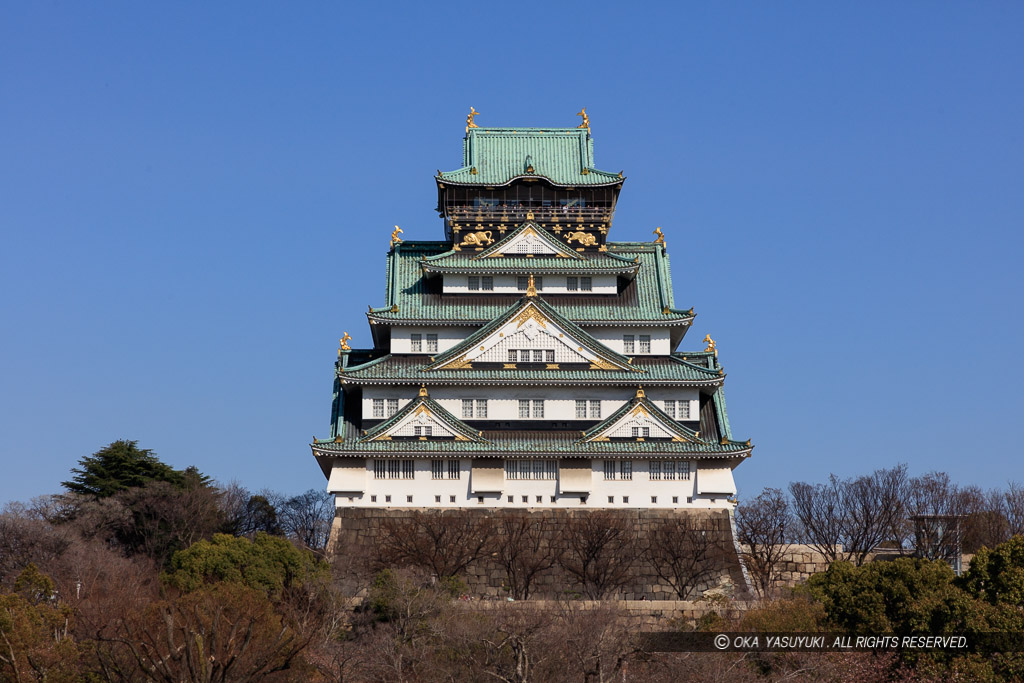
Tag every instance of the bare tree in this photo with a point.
(307, 518)
(764, 525)
(520, 547)
(686, 552)
(444, 542)
(600, 551)
(937, 508)
(858, 514)
(247, 513)
(1014, 509)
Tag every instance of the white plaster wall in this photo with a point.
(553, 284)
(424, 491)
(503, 402)
(447, 337)
(661, 344)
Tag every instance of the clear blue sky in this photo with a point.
(195, 202)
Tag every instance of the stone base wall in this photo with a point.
(355, 531)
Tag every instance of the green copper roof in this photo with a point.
(412, 299)
(402, 369)
(496, 156)
(493, 260)
(571, 329)
(527, 443)
(435, 409)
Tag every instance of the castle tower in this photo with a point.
(526, 361)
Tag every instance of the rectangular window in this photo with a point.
(408, 468)
(378, 407)
(538, 283)
(609, 470)
(467, 407)
(572, 284)
(538, 355)
(437, 499)
(422, 431)
(431, 343)
(684, 410)
(373, 499)
(526, 499)
(487, 283)
(437, 471)
(522, 283)
(408, 499)
(540, 499)
(645, 343)
(626, 470)
(538, 408)
(454, 471)
(524, 407)
(586, 284)
(654, 499)
(549, 355)
(668, 469)
(625, 499)
(378, 469)
(639, 432)
(538, 470)
(510, 499)
(675, 499)
(670, 409)
(387, 499)
(393, 469)
(513, 356)
(611, 499)
(581, 408)
(684, 471)
(550, 470)
(655, 470)
(530, 469)
(417, 343)
(474, 283)
(627, 343)
(595, 409)
(451, 499)
(392, 406)
(481, 407)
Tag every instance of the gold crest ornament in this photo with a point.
(473, 113)
(586, 119)
(395, 239)
(344, 342)
(712, 346)
(660, 234)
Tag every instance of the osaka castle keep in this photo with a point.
(525, 360)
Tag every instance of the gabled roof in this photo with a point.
(642, 409)
(411, 299)
(501, 256)
(532, 315)
(497, 156)
(428, 411)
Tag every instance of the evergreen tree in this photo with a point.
(119, 466)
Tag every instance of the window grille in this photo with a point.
(392, 406)
(378, 407)
(684, 410)
(572, 284)
(549, 355)
(467, 407)
(524, 407)
(481, 407)
(417, 343)
(609, 470)
(669, 470)
(513, 356)
(422, 431)
(641, 432)
(684, 470)
(627, 343)
(586, 284)
(531, 469)
(487, 283)
(538, 408)
(437, 471)
(670, 409)
(655, 470)
(538, 355)
(474, 283)
(626, 470)
(431, 343)
(595, 409)
(522, 283)
(581, 408)
(645, 343)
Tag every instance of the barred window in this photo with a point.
(645, 343)
(417, 343)
(538, 408)
(378, 407)
(538, 355)
(641, 432)
(481, 407)
(524, 407)
(668, 469)
(467, 407)
(627, 343)
(440, 470)
(431, 343)
(522, 283)
(684, 470)
(487, 283)
(595, 409)
(670, 409)
(684, 410)
(549, 355)
(392, 406)
(538, 283)
(531, 469)
(655, 470)
(454, 471)
(581, 408)
(586, 284)
(422, 431)
(437, 471)
(626, 470)
(572, 284)
(513, 356)
(393, 469)
(474, 283)
(609, 470)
